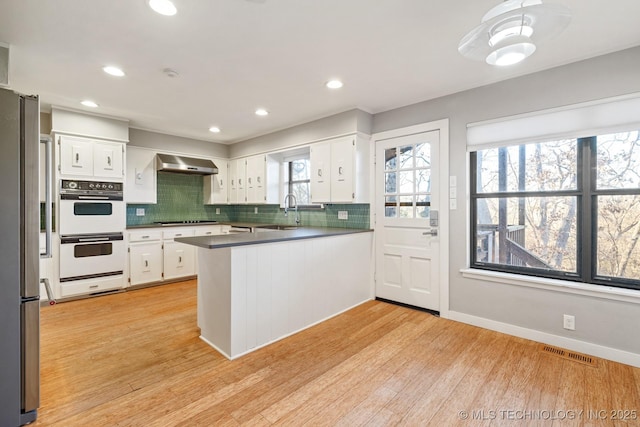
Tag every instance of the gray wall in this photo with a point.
(605, 322)
(163, 142)
(338, 124)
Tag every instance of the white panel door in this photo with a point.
(407, 248)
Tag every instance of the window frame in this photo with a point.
(288, 182)
(586, 193)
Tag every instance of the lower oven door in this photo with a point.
(90, 256)
(84, 216)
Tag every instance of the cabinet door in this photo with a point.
(342, 170)
(141, 185)
(107, 159)
(145, 262)
(320, 160)
(241, 185)
(179, 260)
(216, 187)
(76, 156)
(256, 173)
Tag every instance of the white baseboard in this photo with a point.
(603, 352)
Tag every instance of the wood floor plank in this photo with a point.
(135, 359)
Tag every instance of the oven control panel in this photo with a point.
(81, 190)
(68, 184)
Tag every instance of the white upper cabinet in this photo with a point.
(320, 160)
(76, 156)
(216, 187)
(339, 170)
(83, 157)
(256, 179)
(108, 159)
(141, 184)
(237, 180)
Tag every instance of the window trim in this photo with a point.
(555, 285)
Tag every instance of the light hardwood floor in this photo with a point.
(135, 359)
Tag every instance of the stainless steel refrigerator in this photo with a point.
(19, 259)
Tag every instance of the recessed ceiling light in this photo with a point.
(214, 129)
(163, 7)
(261, 112)
(114, 71)
(334, 84)
(88, 103)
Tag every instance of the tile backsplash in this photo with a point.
(180, 197)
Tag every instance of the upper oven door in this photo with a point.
(92, 216)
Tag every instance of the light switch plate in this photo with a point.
(139, 211)
(343, 214)
(217, 211)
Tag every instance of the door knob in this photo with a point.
(433, 232)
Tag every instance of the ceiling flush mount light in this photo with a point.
(334, 84)
(261, 112)
(510, 31)
(88, 103)
(163, 7)
(114, 71)
(214, 129)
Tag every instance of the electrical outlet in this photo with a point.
(569, 322)
(255, 210)
(217, 211)
(343, 214)
(139, 211)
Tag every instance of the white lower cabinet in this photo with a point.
(179, 259)
(154, 256)
(145, 257)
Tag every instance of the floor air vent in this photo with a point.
(569, 355)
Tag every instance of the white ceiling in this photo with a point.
(234, 56)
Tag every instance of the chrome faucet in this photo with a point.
(288, 198)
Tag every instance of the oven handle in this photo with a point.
(89, 239)
(83, 197)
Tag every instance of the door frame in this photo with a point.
(443, 127)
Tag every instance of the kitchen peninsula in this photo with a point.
(257, 288)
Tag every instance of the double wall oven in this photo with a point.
(92, 222)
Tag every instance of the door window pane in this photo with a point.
(406, 207)
(390, 159)
(390, 182)
(423, 180)
(423, 155)
(406, 182)
(406, 157)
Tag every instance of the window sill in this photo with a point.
(555, 285)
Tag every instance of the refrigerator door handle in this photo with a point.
(48, 201)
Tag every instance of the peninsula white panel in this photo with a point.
(266, 292)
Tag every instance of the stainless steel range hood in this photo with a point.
(171, 163)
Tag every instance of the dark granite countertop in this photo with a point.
(266, 236)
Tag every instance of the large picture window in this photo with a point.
(567, 208)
